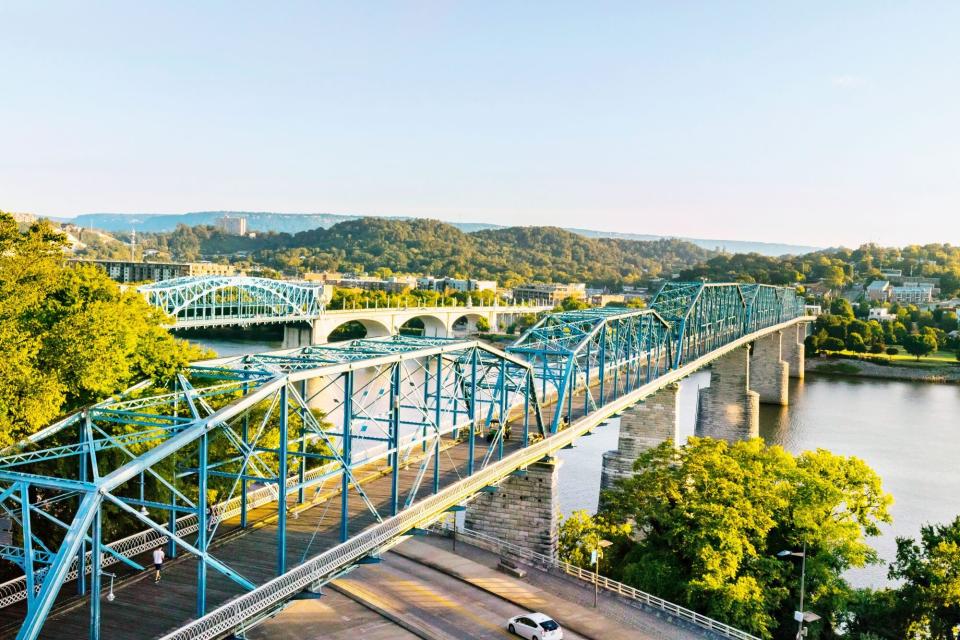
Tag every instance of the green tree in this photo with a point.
(68, 334)
(832, 344)
(930, 571)
(841, 307)
(580, 533)
(483, 325)
(919, 345)
(710, 516)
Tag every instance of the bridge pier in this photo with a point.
(728, 409)
(524, 510)
(297, 335)
(643, 427)
(768, 372)
(793, 349)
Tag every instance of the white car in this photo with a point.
(535, 626)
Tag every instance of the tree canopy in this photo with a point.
(709, 518)
(69, 335)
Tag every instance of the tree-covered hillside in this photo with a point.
(509, 255)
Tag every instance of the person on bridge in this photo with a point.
(158, 556)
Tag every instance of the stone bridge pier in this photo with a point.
(769, 373)
(793, 349)
(728, 409)
(644, 426)
(524, 510)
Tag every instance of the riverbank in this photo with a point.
(948, 374)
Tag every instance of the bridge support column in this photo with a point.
(524, 510)
(794, 350)
(297, 335)
(642, 427)
(768, 372)
(728, 409)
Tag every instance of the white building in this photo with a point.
(233, 226)
(880, 314)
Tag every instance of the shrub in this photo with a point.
(877, 349)
(832, 344)
(892, 351)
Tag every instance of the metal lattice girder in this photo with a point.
(226, 299)
(706, 315)
(603, 352)
(150, 456)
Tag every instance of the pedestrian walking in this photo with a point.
(158, 556)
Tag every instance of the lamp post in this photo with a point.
(800, 616)
(596, 555)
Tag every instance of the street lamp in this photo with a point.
(595, 560)
(800, 616)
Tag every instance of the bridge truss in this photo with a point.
(614, 349)
(244, 430)
(213, 300)
(227, 436)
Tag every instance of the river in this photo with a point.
(906, 431)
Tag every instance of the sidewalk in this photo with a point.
(565, 602)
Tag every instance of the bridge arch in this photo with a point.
(426, 325)
(229, 298)
(358, 328)
(466, 323)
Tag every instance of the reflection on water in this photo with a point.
(905, 431)
(225, 347)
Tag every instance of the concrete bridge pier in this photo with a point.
(642, 427)
(768, 371)
(524, 510)
(728, 409)
(793, 349)
(297, 335)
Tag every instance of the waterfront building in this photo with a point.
(125, 271)
(553, 293)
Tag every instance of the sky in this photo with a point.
(821, 123)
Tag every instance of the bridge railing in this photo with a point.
(635, 595)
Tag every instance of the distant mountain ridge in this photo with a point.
(266, 221)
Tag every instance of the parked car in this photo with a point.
(535, 626)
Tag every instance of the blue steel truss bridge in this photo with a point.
(266, 476)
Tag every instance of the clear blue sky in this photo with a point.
(813, 122)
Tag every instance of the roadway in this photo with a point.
(440, 606)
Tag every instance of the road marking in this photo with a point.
(423, 591)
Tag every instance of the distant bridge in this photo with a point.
(354, 436)
(217, 301)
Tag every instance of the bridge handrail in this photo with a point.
(538, 559)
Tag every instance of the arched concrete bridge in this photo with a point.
(270, 475)
(438, 322)
(219, 301)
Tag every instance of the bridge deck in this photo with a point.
(143, 609)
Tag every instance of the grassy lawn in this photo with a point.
(937, 358)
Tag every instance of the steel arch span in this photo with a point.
(212, 300)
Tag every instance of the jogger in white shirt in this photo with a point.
(158, 556)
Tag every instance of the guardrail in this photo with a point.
(250, 606)
(625, 590)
